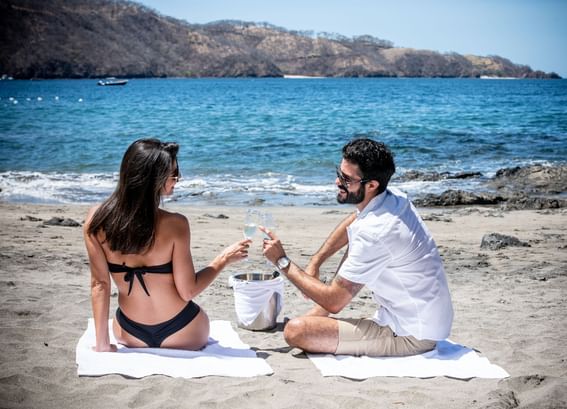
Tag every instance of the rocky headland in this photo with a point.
(100, 38)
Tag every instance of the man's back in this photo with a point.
(392, 252)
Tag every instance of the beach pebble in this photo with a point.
(60, 221)
(435, 217)
(30, 218)
(218, 216)
(496, 241)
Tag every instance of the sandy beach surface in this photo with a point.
(510, 305)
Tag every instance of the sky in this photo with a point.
(530, 32)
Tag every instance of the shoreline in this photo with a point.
(509, 305)
(535, 186)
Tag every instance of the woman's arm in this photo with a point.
(100, 288)
(189, 283)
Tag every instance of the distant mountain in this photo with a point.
(99, 38)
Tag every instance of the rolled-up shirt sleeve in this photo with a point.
(367, 258)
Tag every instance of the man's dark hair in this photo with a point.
(373, 158)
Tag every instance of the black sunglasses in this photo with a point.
(345, 180)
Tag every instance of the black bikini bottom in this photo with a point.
(153, 335)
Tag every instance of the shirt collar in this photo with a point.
(375, 203)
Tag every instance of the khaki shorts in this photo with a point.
(365, 337)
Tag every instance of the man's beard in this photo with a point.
(351, 197)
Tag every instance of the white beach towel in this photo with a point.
(250, 297)
(224, 355)
(448, 359)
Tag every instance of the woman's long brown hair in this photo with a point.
(128, 217)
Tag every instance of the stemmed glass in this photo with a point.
(268, 222)
(251, 221)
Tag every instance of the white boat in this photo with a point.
(491, 77)
(112, 81)
(301, 77)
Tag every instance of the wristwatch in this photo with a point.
(283, 263)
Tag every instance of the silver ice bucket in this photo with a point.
(266, 318)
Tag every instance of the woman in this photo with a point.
(147, 252)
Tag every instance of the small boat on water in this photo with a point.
(112, 81)
(493, 77)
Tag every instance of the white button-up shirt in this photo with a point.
(392, 252)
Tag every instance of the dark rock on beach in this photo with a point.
(60, 221)
(416, 175)
(535, 179)
(496, 241)
(217, 216)
(458, 198)
(516, 202)
(538, 203)
(465, 175)
(29, 218)
(531, 187)
(436, 218)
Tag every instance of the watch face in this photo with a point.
(283, 262)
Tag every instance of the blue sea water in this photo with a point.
(273, 140)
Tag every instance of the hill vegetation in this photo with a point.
(99, 38)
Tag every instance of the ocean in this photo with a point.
(272, 141)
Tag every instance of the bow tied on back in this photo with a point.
(132, 272)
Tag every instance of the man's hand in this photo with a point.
(336, 240)
(272, 247)
(312, 270)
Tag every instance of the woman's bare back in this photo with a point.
(163, 301)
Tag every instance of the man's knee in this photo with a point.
(294, 331)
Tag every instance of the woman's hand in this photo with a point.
(107, 348)
(236, 252)
(273, 249)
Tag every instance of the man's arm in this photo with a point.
(331, 297)
(336, 240)
(317, 310)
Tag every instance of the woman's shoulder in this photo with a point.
(90, 214)
(92, 210)
(173, 221)
(171, 216)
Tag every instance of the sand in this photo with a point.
(510, 305)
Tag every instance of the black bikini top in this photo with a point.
(132, 272)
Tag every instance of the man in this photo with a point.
(389, 250)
